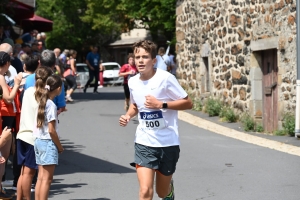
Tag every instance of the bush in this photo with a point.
(289, 124)
(248, 122)
(280, 132)
(228, 114)
(197, 104)
(213, 107)
(259, 128)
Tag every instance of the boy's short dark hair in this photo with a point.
(31, 62)
(148, 45)
(130, 55)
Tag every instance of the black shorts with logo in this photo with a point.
(162, 159)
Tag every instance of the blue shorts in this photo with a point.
(46, 152)
(26, 154)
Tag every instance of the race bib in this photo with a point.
(152, 120)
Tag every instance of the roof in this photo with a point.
(126, 42)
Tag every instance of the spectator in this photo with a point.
(162, 60)
(15, 61)
(93, 62)
(26, 48)
(47, 59)
(34, 48)
(29, 37)
(127, 71)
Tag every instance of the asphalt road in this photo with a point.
(95, 163)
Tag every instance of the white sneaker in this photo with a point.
(7, 183)
(100, 86)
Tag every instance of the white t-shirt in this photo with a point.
(13, 72)
(50, 115)
(162, 62)
(157, 128)
(28, 115)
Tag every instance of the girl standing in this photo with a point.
(47, 144)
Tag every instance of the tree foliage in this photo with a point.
(79, 23)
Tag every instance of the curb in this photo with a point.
(229, 132)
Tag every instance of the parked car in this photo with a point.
(83, 74)
(110, 75)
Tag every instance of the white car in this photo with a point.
(110, 74)
(83, 74)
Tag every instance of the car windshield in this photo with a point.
(82, 68)
(111, 67)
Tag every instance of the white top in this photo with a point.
(157, 128)
(50, 115)
(28, 112)
(13, 73)
(162, 62)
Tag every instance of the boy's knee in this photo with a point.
(146, 192)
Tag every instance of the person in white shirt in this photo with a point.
(162, 60)
(25, 138)
(155, 96)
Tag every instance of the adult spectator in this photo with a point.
(12, 72)
(15, 61)
(163, 60)
(93, 61)
(63, 57)
(34, 48)
(29, 37)
(47, 59)
(43, 39)
(58, 65)
(26, 48)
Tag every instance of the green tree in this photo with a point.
(115, 16)
(158, 15)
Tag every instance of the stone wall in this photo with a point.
(222, 31)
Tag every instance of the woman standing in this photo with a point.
(70, 75)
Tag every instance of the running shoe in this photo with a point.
(84, 90)
(68, 98)
(170, 196)
(100, 86)
(96, 92)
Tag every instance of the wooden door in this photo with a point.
(270, 89)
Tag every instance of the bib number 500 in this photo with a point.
(152, 124)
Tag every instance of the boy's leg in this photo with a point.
(163, 186)
(146, 180)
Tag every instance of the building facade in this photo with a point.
(242, 51)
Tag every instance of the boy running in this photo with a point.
(155, 97)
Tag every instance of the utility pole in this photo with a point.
(297, 118)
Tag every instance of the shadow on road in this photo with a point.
(72, 161)
(57, 188)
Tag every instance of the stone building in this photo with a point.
(242, 51)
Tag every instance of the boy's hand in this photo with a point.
(152, 102)
(124, 119)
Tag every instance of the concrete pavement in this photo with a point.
(212, 166)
